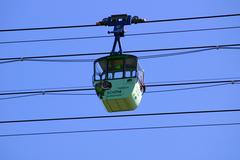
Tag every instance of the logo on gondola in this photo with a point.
(114, 93)
(125, 87)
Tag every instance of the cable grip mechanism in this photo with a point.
(118, 22)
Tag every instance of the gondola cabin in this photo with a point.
(119, 82)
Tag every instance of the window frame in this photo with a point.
(123, 70)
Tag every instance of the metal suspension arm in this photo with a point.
(119, 21)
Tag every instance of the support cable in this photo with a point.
(126, 35)
(194, 48)
(93, 94)
(189, 88)
(121, 116)
(92, 60)
(120, 129)
(46, 91)
(94, 25)
(47, 28)
(193, 83)
(69, 91)
(192, 18)
(22, 96)
(139, 57)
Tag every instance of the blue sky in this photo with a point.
(193, 143)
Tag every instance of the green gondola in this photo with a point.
(119, 82)
(118, 79)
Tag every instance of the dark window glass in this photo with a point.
(130, 64)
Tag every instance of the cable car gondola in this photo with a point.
(118, 78)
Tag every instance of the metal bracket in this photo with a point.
(118, 22)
